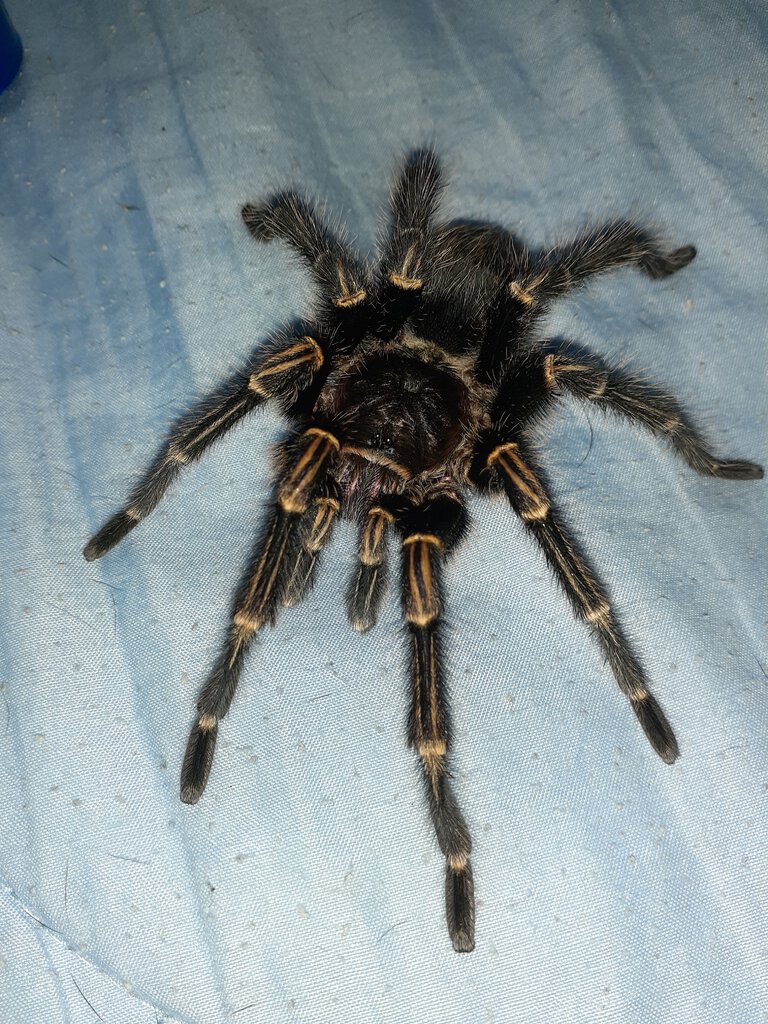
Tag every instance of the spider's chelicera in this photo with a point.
(417, 378)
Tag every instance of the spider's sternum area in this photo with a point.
(295, 490)
(532, 500)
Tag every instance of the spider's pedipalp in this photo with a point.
(368, 584)
(317, 526)
(590, 379)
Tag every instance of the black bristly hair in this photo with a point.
(419, 377)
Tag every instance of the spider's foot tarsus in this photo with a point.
(109, 535)
(198, 759)
(258, 220)
(460, 907)
(737, 469)
(656, 265)
(656, 728)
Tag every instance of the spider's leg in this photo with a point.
(428, 533)
(341, 274)
(281, 370)
(413, 201)
(612, 390)
(509, 463)
(367, 586)
(405, 248)
(308, 461)
(597, 250)
(316, 531)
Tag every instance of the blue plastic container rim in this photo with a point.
(11, 50)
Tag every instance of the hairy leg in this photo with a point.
(308, 461)
(281, 370)
(612, 390)
(428, 533)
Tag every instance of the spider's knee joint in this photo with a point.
(536, 510)
(530, 498)
(432, 750)
(326, 510)
(351, 295)
(177, 455)
(246, 624)
(408, 284)
(373, 536)
(295, 492)
(523, 295)
(350, 299)
(458, 861)
(423, 538)
(266, 380)
(598, 614)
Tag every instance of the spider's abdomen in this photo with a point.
(403, 412)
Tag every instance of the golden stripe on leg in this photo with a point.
(588, 599)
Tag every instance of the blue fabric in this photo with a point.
(306, 885)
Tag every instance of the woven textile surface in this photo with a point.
(306, 886)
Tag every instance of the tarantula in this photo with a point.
(417, 378)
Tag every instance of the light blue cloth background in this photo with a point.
(306, 886)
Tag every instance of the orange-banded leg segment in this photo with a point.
(605, 247)
(207, 422)
(588, 379)
(407, 254)
(413, 202)
(292, 217)
(368, 584)
(287, 369)
(283, 369)
(309, 459)
(429, 726)
(318, 524)
(514, 469)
